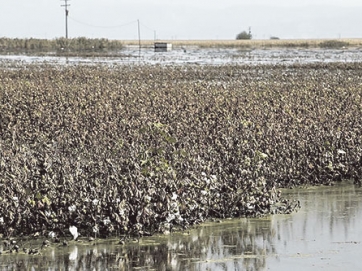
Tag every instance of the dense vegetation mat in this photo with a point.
(143, 149)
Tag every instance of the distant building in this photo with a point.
(163, 47)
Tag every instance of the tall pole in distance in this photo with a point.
(139, 38)
(66, 5)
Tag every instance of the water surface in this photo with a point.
(324, 235)
(200, 56)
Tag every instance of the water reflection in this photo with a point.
(324, 234)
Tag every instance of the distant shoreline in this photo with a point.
(88, 47)
(282, 43)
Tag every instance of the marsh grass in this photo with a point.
(334, 44)
(259, 44)
(103, 47)
(60, 46)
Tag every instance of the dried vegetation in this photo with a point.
(77, 46)
(86, 47)
(143, 149)
(261, 44)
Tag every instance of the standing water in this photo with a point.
(324, 235)
(198, 56)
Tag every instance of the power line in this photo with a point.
(147, 27)
(102, 26)
(150, 29)
(113, 26)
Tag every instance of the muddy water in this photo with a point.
(325, 234)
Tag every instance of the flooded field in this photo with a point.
(324, 235)
(202, 56)
(293, 136)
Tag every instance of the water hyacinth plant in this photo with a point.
(145, 149)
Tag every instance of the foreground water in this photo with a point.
(324, 235)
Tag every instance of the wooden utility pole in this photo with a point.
(139, 38)
(66, 5)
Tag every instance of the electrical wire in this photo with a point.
(100, 26)
(147, 27)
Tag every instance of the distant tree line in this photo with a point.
(244, 35)
(81, 44)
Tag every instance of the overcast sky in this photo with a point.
(182, 19)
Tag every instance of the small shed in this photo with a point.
(163, 47)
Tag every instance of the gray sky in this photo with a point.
(182, 19)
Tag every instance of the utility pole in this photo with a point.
(139, 38)
(66, 5)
